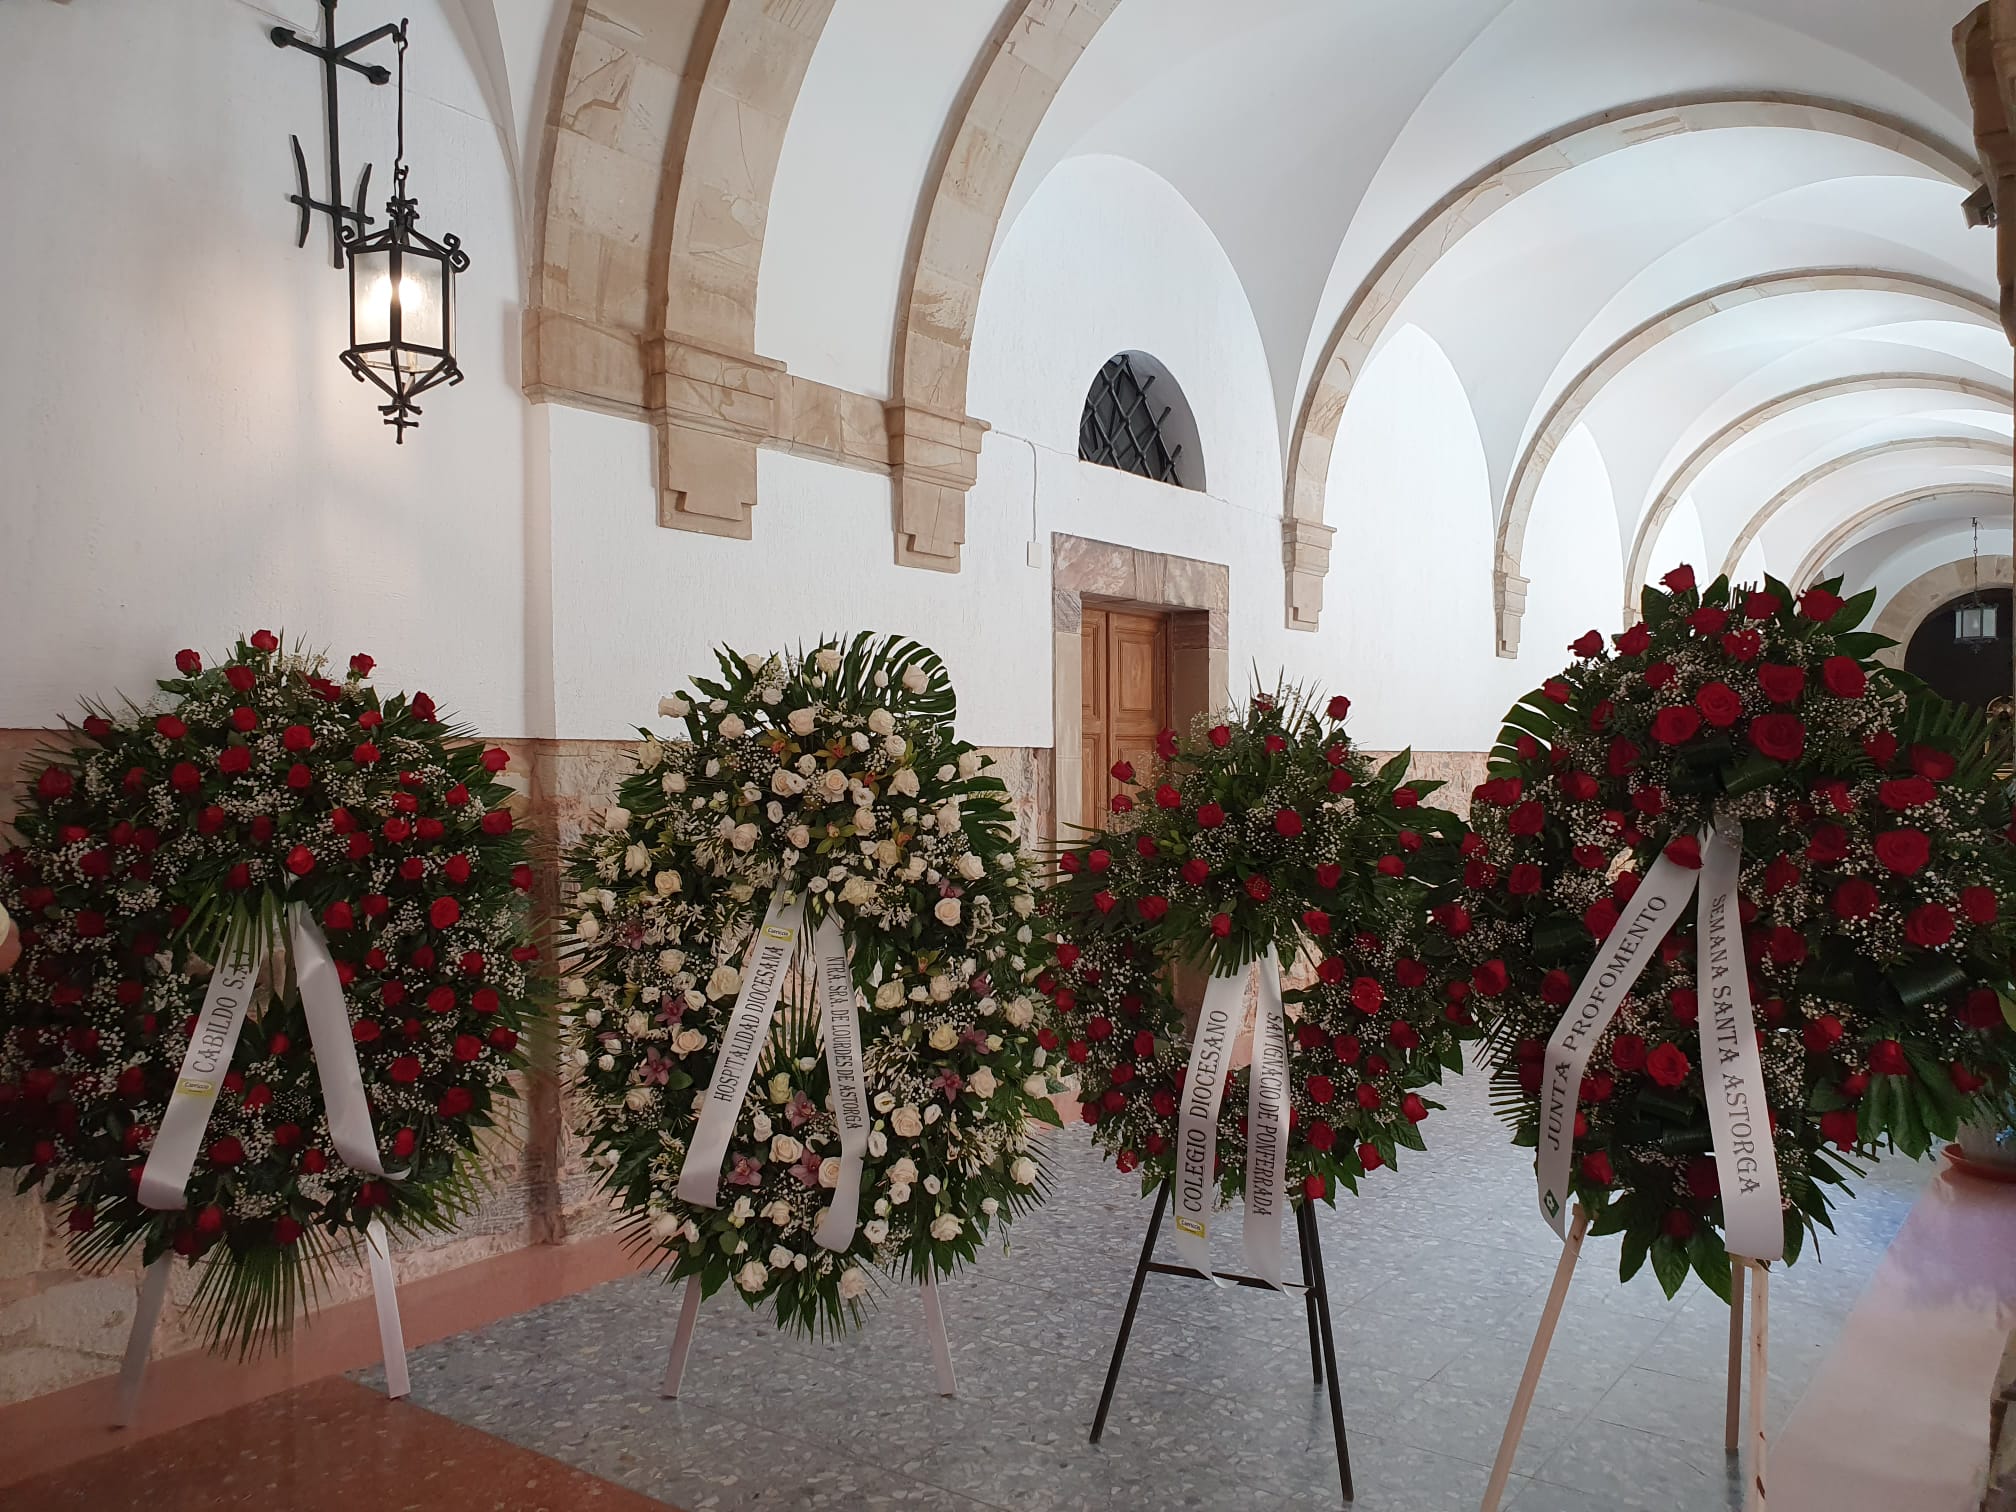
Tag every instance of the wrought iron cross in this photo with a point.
(334, 55)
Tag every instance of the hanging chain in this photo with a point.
(399, 158)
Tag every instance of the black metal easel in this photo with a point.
(1315, 1297)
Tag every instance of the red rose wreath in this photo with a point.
(1264, 836)
(260, 817)
(1869, 920)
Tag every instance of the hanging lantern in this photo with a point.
(402, 297)
(1974, 620)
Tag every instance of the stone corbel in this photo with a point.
(934, 460)
(711, 409)
(1508, 598)
(1305, 561)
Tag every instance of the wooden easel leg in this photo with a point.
(1760, 1375)
(1536, 1359)
(941, 1342)
(1127, 1318)
(682, 1338)
(385, 1297)
(1732, 1423)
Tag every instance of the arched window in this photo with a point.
(1137, 420)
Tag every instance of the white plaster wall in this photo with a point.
(185, 456)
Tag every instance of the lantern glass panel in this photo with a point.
(1974, 622)
(416, 292)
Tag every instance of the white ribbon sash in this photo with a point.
(165, 1176)
(741, 1046)
(1218, 1025)
(1732, 1072)
(1730, 1067)
(328, 1017)
(848, 1085)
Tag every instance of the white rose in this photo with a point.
(858, 740)
(636, 1024)
(616, 818)
(970, 764)
(778, 1214)
(989, 1206)
(669, 961)
(800, 721)
(945, 1226)
(903, 1173)
(674, 707)
(1019, 1013)
(742, 1212)
(900, 1195)
(878, 1143)
(944, 1037)
(744, 837)
(606, 1062)
(875, 1230)
(649, 754)
(828, 658)
(751, 1277)
(933, 1113)
(673, 782)
(725, 982)
(853, 1284)
(888, 996)
(915, 680)
(780, 1258)
(732, 727)
(887, 853)
(982, 1082)
(948, 817)
(784, 1149)
(665, 1226)
(637, 1099)
(971, 867)
(881, 721)
(636, 859)
(829, 1172)
(800, 838)
(835, 785)
(941, 988)
(667, 883)
(1023, 1172)
(946, 911)
(589, 927)
(884, 1101)
(864, 821)
(780, 1088)
(1023, 903)
(858, 890)
(904, 780)
(907, 1122)
(574, 987)
(895, 745)
(784, 782)
(759, 1126)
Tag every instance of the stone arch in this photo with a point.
(934, 445)
(660, 152)
(1841, 535)
(1995, 451)
(1704, 456)
(1508, 587)
(1918, 598)
(1365, 318)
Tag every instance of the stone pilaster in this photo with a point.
(1508, 596)
(711, 410)
(934, 458)
(1305, 562)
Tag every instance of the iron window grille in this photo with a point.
(1122, 425)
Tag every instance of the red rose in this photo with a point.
(1406, 797)
(1887, 1058)
(1557, 690)
(1098, 860)
(1627, 1052)
(405, 1069)
(1881, 748)
(1316, 921)
(362, 664)
(170, 728)
(244, 721)
(1220, 736)
(459, 1100)
(364, 754)
(497, 758)
(188, 663)
(1319, 1089)
(1680, 579)
(1258, 888)
(1855, 899)
(1340, 781)
(1153, 907)
(1596, 1168)
(1904, 851)
(1708, 620)
(444, 912)
(1905, 792)
(1524, 880)
(1686, 1005)
(226, 1152)
(1787, 945)
(1104, 901)
(1340, 706)
(1329, 874)
(1668, 1065)
(1367, 996)
(1818, 605)
(1928, 926)
(300, 860)
(1779, 736)
(497, 822)
(1287, 823)
(264, 640)
(1979, 904)
(1932, 763)
(1675, 724)
(1210, 816)
(1844, 677)
(1623, 756)
(1120, 803)
(1221, 925)
(1839, 1128)
(521, 877)
(1529, 818)
(1490, 977)
(1589, 643)
(1600, 917)
(1965, 1081)
(1758, 605)
(1742, 645)
(1781, 684)
(1684, 850)
(1557, 987)
(1981, 1009)
(1165, 744)
(1634, 641)
(1194, 871)
(1369, 1156)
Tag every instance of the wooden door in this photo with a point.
(1126, 691)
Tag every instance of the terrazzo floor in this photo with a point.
(1436, 1278)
